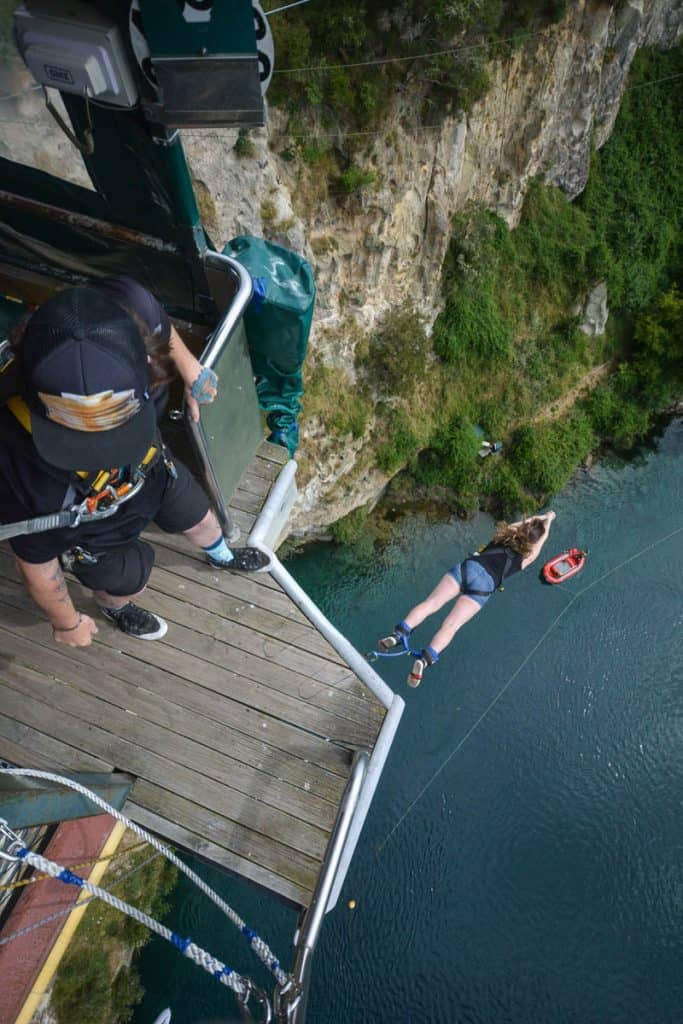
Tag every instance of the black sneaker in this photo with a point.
(136, 622)
(243, 560)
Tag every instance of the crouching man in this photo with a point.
(79, 431)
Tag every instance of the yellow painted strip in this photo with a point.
(65, 936)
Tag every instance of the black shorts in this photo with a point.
(124, 562)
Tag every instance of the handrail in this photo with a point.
(217, 342)
(394, 704)
(290, 999)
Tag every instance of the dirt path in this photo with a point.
(559, 407)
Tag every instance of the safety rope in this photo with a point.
(256, 943)
(402, 642)
(63, 911)
(460, 744)
(75, 867)
(224, 974)
(374, 655)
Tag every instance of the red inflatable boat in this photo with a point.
(564, 565)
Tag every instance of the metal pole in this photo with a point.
(291, 1000)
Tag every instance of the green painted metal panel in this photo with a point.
(26, 802)
(184, 30)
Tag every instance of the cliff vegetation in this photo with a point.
(509, 344)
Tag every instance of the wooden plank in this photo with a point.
(340, 706)
(253, 484)
(261, 620)
(198, 844)
(242, 587)
(161, 687)
(178, 543)
(244, 521)
(273, 453)
(200, 725)
(32, 748)
(253, 694)
(270, 649)
(241, 842)
(246, 501)
(246, 782)
(199, 783)
(265, 468)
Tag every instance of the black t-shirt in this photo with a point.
(31, 487)
(494, 558)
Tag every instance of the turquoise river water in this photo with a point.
(524, 866)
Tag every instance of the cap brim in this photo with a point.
(90, 450)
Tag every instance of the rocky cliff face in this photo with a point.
(549, 101)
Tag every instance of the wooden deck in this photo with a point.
(239, 725)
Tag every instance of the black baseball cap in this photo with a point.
(84, 366)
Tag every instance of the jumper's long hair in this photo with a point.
(519, 538)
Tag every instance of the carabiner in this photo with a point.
(260, 997)
(14, 841)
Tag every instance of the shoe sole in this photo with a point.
(161, 631)
(413, 681)
(228, 567)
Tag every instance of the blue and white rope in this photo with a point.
(187, 947)
(259, 946)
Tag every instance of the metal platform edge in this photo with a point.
(270, 524)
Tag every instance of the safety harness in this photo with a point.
(107, 491)
(498, 549)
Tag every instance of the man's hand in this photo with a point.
(79, 635)
(203, 390)
(200, 382)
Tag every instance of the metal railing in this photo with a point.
(228, 431)
(366, 771)
(291, 1000)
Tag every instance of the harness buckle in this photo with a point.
(12, 839)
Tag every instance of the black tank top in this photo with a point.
(494, 558)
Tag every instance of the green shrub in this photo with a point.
(351, 415)
(348, 33)
(658, 345)
(244, 147)
(350, 528)
(544, 457)
(268, 211)
(506, 491)
(473, 328)
(634, 194)
(82, 991)
(400, 444)
(452, 458)
(616, 416)
(355, 178)
(396, 354)
(315, 152)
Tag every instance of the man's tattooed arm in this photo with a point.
(46, 585)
